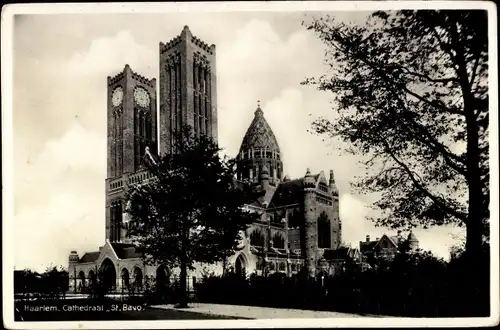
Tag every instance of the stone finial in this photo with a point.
(186, 33)
(333, 187)
(127, 69)
(259, 111)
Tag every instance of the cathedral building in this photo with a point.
(299, 224)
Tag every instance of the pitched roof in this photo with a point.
(288, 192)
(367, 246)
(394, 239)
(125, 250)
(89, 257)
(268, 195)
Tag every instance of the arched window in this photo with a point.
(125, 279)
(143, 133)
(278, 241)
(324, 233)
(116, 221)
(294, 218)
(256, 238)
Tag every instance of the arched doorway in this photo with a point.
(125, 279)
(81, 281)
(137, 279)
(92, 279)
(108, 274)
(239, 265)
(162, 279)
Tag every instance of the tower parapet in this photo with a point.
(188, 89)
(73, 258)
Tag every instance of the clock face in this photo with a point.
(141, 97)
(117, 97)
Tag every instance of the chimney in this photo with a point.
(367, 238)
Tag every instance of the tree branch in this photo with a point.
(426, 77)
(418, 185)
(431, 141)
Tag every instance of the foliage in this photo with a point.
(51, 284)
(192, 209)
(410, 91)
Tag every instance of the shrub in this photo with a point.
(413, 284)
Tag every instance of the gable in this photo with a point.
(320, 178)
(385, 243)
(107, 252)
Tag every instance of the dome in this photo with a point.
(259, 135)
(259, 152)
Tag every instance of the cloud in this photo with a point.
(354, 224)
(57, 207)
(258, 64)
(69, 151)
(45, 235)
(109, 54)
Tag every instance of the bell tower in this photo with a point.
(131, 121)
(188, 88)
(132, 126)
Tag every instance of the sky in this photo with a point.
(61, 63)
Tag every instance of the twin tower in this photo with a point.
(188, 96)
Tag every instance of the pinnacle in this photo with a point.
(259, 110)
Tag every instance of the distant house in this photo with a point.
(385, 246)
(338, 259)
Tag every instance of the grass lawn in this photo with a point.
(67, 310)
